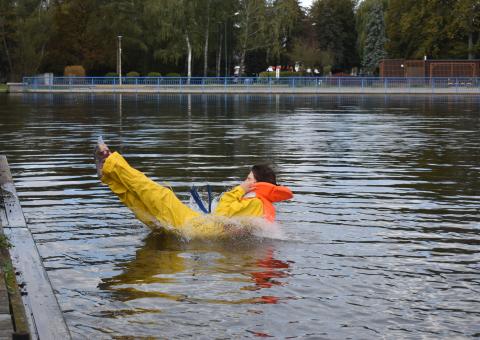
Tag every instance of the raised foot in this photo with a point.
(101, 154)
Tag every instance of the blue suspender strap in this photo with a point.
(198, 200)
(209, 189)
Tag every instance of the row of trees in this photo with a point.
(209, 37)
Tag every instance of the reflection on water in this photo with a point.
(381, 240)
(164, 256)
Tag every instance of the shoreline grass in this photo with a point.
(3, 88)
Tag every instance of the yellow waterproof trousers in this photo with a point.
(150, 202)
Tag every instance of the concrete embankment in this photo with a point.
(243, 89)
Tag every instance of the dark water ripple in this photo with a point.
(381, 241)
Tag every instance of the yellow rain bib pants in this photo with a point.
(153, 204)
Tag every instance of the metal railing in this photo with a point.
(256, 84)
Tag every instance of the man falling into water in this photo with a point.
(156, 205)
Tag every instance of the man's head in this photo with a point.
(263, 173)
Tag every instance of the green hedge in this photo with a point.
(154, 74)
(74, 71)
(111, 74)
(282, 74)
(173, 74)
(133, 74)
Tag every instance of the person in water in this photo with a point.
(155, 204)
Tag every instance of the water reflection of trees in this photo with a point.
(249, 264)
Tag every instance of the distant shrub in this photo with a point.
(74, 71)
(133, 74)
(154, 74)
(282, 74)
(267, 74)
(173, 74)
(111, 74)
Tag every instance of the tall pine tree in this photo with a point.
(374, 48)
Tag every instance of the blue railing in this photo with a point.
(265, 84)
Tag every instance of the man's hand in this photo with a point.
(247, 186)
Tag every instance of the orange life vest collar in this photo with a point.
(269, 193)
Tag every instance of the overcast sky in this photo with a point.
(306, 3)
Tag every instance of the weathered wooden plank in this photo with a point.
(9, 199)
(11, 206)
(40, 299)
(6, 326)
(4, 302)
(3, 216)
(4, 178)
(15, 303)
(42, 309)
(22, 322)
(5, 174)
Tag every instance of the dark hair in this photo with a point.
(264, 173)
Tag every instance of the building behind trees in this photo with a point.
(429, 68)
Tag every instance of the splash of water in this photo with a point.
(219, 227)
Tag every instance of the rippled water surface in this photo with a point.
(381, 241)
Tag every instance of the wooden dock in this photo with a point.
(28, 306)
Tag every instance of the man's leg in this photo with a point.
(142, 195)
(131, 200)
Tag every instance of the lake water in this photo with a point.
(381, 240)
